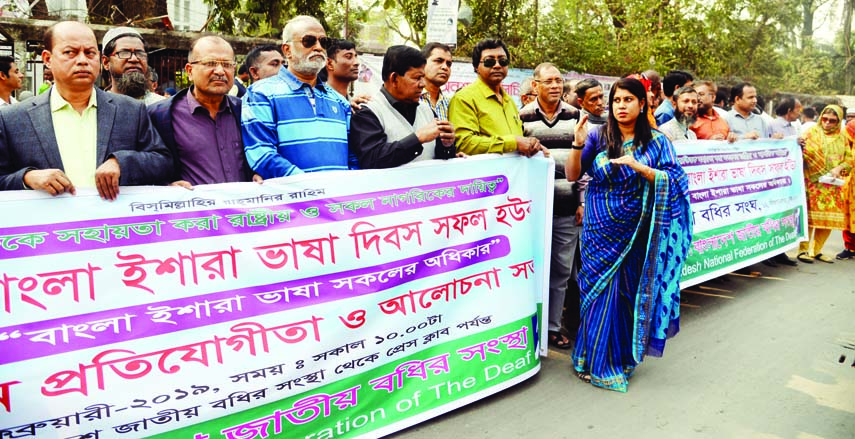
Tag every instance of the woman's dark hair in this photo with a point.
(643, 133)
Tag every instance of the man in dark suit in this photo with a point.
(76, 135)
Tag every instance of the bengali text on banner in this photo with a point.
(748, 203)
(342, 304)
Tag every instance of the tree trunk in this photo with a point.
(617, 11)
(807, 23)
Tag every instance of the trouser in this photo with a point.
(849, 240)
(818, 237)
(565, 238)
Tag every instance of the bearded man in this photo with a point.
(685, 102)
(292, 122)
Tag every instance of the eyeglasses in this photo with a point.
(126, 54)
(309, 41)
(213, 63)
(548, 82)
(490, 62)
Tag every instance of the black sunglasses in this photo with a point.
(309, 41)
(490, 62)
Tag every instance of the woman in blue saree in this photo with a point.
(636, 234)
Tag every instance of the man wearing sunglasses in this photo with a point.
(310, 129)
(125, 58)
(437, 73)
(484, 116)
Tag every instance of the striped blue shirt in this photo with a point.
(290, 127)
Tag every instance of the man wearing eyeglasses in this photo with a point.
(553, 122)
(125, 57)
(292, 122)
(527, 93)
(484, 116)
(201, 124)
(437, 73)
(75, 135)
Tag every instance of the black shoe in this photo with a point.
(770, 263)
(786, 260)
(846, 254)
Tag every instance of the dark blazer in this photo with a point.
(27, 141)
(161, 118)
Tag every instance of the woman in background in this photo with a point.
(827, 151)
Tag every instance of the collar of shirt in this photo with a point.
(426, 96)
(489, 91)
(295, 83)
(562, 107)
(407, 109)
(712, 115)
(58, 103)
(739, 115)
(195, 105)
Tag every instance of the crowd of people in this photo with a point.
(297, 116)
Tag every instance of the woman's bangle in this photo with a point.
(581, 147)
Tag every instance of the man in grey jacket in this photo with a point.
(76, 135)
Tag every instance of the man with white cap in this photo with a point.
(125, 57)
(850, 115)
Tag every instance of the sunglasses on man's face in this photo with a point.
(490, 62)
(309, 41)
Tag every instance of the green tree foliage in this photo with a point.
(259, 18)
(768, 42)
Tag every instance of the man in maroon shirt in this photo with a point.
(201, 125)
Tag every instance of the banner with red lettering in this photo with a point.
(341, 304)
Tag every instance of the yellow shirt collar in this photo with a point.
(58, 103)
(487, 91)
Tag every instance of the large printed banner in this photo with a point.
(748, 203)
(348, 304)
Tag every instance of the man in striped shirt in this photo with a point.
(437, 72)
(292, 122)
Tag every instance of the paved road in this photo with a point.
(757, 358)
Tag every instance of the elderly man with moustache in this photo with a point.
(76, 135)
(293, 123)
(201, 124)
(553, 122)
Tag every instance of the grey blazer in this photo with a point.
(27, 141)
